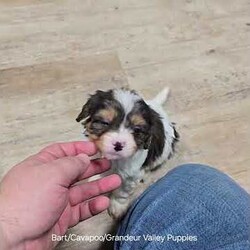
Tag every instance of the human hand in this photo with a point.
(38, 198)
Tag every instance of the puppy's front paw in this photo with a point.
(116, 209)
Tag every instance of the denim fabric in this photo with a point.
(194, 207)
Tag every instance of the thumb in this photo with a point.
(66, 170)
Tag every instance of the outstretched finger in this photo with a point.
(60, 150)
(85, 191)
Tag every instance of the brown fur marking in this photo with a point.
(108, 114)
(137, 120)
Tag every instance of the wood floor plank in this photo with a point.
(189, 40)
(40, 34)
(198, 82)
(218, 136)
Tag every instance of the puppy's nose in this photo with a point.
(118, 146)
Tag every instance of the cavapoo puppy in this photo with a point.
(136, 135)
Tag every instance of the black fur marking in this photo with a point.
(156, 167)
(157, 139)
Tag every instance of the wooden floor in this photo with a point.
(54, 53)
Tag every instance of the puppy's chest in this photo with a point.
(130, 167)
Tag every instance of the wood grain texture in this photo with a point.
(54, 53)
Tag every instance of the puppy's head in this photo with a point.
(118, 121)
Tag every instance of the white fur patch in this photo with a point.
(126, 98)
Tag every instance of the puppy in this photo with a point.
(136, 135)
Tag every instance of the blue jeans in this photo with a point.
(192, 207)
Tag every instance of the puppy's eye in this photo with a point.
(101, 122)
(137, 129)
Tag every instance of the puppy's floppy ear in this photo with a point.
(94, 102)
(147, 142)
(85, 111)
(157, 138)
